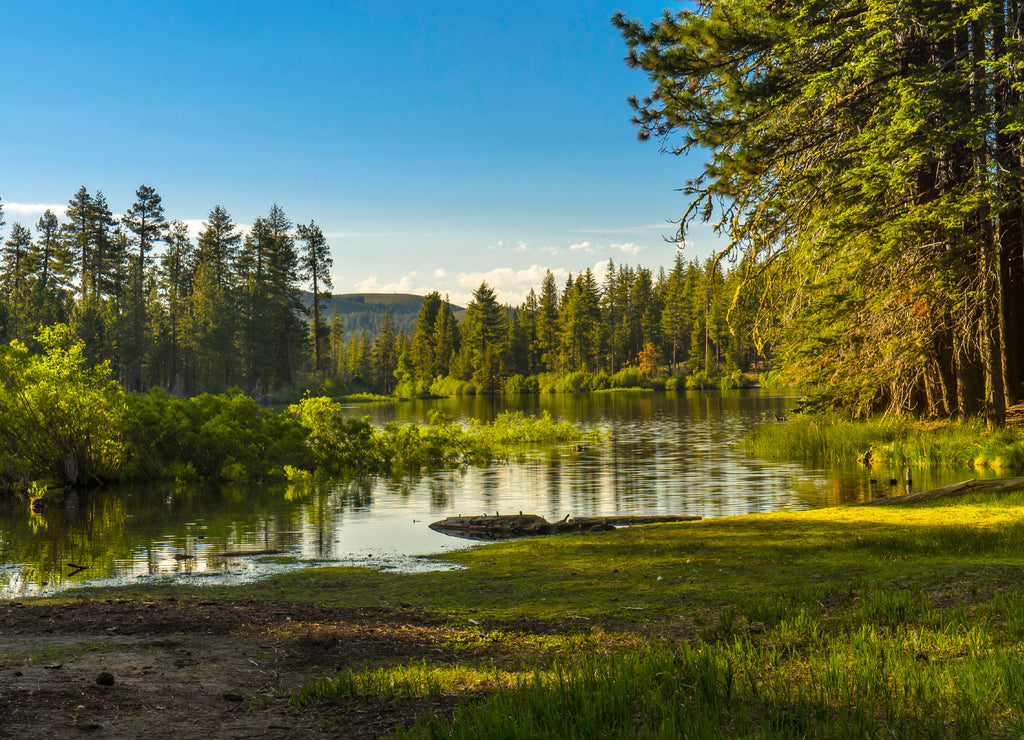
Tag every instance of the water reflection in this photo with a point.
(663, 453)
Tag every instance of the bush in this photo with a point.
(59, 418)
(212, 436)
(575, 382)
(452, 387)
(627, 377)
(699, 381)
(521, 384)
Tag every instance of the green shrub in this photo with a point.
(59, 418)
(627, 377)
(575, 382)
(521, 384)
(452, 387)
(699, 381)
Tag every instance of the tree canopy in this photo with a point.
(865, 158)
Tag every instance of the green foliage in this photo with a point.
(517, 384)
(211, 436)
(627, 377)
(59, 418)
(574, 382)
(448, 386)
(512, 427)
(866, 169)
(339, 445)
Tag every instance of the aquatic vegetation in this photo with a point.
(890, 441)
(339, 444)
(61, 419)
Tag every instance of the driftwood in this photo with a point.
(993, 485)
(245, 553)
(509, 526)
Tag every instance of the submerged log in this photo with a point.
(245, 553)
(992, 485)
(507, 527)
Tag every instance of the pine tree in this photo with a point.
(315, 262)
(284, 297)
(579, 319)
(674, 315)
(77, 235)
(447, 341)
(548, 329)
(422, 354)
(385, 355)
(216, 257)
(15, 260)
(175, 281)
(868, 158)
(336, 344)
(485, 339)
(145, 219)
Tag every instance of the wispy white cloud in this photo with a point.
(522, 247)
(33, 209)
(629, 248)
(582, 247)
(510, 285)
(412, 283)
(370, 284)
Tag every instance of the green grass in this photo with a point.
(843, 622)
(826, 438)
(367, 397)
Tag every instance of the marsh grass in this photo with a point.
(895, 442)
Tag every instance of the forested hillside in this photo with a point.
(366, 310)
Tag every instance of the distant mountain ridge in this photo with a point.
(360, 311)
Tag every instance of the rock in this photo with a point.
(105, 679)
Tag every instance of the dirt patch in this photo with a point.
(201, 669)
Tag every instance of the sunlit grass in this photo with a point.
(963, 445)
(420, 679)
(843, 622)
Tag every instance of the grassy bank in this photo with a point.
(851, 622)
(962, 445)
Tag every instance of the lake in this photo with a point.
(660, 453)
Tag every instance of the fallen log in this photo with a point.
(993, 485)
(509, 526)
(245, 553)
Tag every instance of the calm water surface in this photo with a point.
(664, 453)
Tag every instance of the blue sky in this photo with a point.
(437, 144)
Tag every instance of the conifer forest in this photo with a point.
(229, 309)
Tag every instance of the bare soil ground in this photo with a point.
(207, 669)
